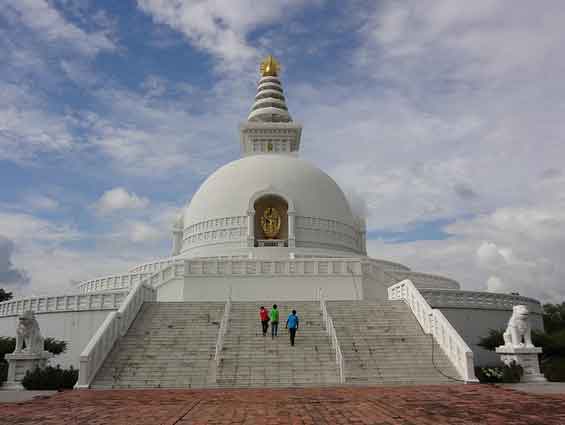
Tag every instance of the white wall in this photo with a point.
(473, 324)
(74, 327)
(171, 291)
(268, 287)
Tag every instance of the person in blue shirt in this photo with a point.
(292, 325)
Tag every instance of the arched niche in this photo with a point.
(262, 199)
(270, 208)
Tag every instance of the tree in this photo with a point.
(554, 317)
(5, 296)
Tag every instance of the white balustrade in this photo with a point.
(434, 322)
(272, 242)
(223, 329)
(48, 304)
(117, 323)
(330, 329)
(129, 280)
(111, 283)
(446, 298)
(152, 267)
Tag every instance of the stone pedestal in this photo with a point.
(527, 357)
(20, 363)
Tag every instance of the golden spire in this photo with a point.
(269, 67)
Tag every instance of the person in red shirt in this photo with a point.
(264, 317)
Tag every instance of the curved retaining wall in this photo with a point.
(421, 280)
(71, 318)
(473, 313)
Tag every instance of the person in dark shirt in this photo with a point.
(292, 325)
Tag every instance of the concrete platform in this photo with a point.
(17, 396)
(538, 388)
(408, 405)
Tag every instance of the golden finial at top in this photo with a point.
(269, 67)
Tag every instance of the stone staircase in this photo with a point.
(250, 360)
(383, 343)
(169, 345)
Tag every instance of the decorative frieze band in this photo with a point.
(211, 268)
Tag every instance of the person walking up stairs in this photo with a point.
(264, 317)
(292, 325)
(274, 316)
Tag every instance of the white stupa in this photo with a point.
(271, 225)
(225, 216)
(268, 226)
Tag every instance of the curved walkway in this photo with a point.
(428, 405)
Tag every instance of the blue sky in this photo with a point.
(442, 121)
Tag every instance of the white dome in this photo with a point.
(228, 191)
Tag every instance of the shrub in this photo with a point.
(492, 340)
(50, 378)
(489, 374)
(8, 345)
(5, 296)
(554, 369)
(3, 371)
(499, 374)
(54, 346)
(554, 317)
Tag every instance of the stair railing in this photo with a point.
(114, 326)
(330, 329)
(223, 329)
(435, 323)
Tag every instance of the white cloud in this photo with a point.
(40, 257)
(41, 202)
(141, 232)
(494, 284)
(220, 27)
(46, 21)
(510, 257)
(490, 256)
(119, 198)
(27, 128)
(42, 50)
(25, 227)
(143, 133)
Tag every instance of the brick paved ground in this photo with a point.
(428, 405)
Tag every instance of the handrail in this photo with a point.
(223, 329)
(63, 303)
(112, 282)
(127, 281)
(330, 329)
(114, 326)
(434, 322)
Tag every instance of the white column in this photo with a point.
(250, 228)
(291, 232)
(177, 241)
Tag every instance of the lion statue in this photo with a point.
(28, 333)
(519, 332)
